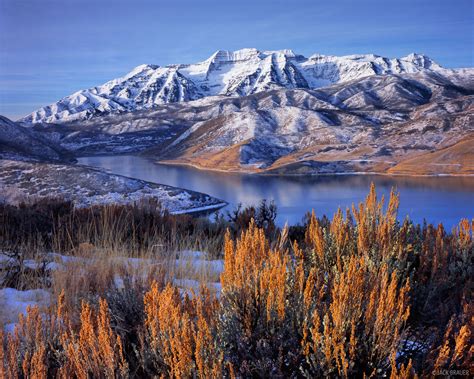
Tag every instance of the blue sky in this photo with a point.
(50, 48)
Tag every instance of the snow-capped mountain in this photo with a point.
(370, 124)
(229, 73)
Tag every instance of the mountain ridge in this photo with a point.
(224, 73)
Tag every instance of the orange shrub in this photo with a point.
(180, 336)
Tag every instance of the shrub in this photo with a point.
(180, 336)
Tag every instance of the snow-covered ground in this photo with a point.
(86, 186)
(14, 302)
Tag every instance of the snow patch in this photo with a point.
(14, 302)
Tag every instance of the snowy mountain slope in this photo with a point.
(367, 124)
(17, 142)
(238, 73)
(380, 120)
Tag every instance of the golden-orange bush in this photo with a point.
(181, 333)
(96, 350)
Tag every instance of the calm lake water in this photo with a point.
(438, 199)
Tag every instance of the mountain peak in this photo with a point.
(234, 56)
(414, 56)
(286, 52)
(141, 68)
(247, 54)
(421, 60)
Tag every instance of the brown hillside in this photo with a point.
(457, 159)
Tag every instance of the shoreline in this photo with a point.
(200, 168)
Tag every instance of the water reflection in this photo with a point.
(438, 199)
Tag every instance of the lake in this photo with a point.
(438, 199)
